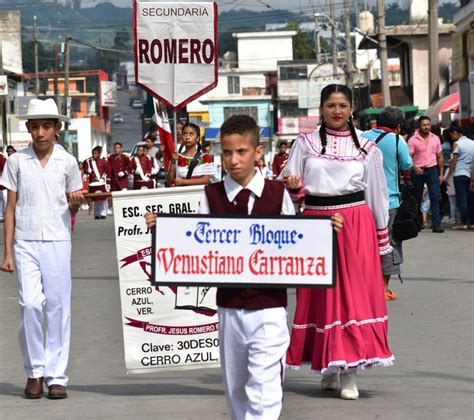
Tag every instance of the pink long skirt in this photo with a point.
(346, 326)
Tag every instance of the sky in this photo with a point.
(262, 5)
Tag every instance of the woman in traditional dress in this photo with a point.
(194, 167)
(344, 329)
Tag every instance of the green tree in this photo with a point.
(45, 57)
(302, 48)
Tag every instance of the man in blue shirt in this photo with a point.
(385, 135)
(460, 171)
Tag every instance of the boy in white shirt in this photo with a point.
(44, 186)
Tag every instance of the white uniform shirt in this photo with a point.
(42, 211)
(255, 186)
(343, 169)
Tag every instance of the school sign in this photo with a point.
(175, 50)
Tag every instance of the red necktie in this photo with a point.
(242, 201)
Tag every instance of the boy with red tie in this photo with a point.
(253, 333)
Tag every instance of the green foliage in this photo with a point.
(302, 49)
(45, 57)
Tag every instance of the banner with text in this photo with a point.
(175, 50)
(163, 327)
(283, 251)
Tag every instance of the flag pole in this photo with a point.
(175, 132)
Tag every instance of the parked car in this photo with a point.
(117, 118)
(137, 104)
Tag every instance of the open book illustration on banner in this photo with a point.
(201, 298)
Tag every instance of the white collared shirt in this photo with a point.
(255, 186)
(42, 211)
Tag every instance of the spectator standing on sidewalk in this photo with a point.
(460, 173)
(44, 187)
(425, 149)
(396, 158)
(279, 161)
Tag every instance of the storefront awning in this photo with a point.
(448, 104)
(410, 110)
(213, 134)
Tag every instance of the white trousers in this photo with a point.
(100, 208)
(253, 346)
(44, 275)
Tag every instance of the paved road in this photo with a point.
(130, 131)
(431, 334)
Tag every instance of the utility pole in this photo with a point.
(56, 69)
(66, 92)
(317, 40)
(35, 40)
(333, 38)
(3, 104)
(433, 50)
(383, 52)
(347, 30)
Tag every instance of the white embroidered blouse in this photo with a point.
(343, 169)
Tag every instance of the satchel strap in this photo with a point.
(193, 164)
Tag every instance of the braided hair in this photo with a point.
(325, 94)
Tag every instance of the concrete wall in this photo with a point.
(216, 111)
(262, 50)
(419, 68)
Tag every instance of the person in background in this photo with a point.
(194, 167)
(428, 164)
(98, 171)
(446, 149)
(344, 329)
(142, 166)
(152, 133)
(425, 208)
(279, 161)
(460, 174)
(179, 136)
(396, 158)
(263, 168)
(120, 168)
(10, 150)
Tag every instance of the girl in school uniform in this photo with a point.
(192, 166)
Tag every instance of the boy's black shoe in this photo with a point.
(437, 229)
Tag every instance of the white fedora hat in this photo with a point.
(43, 110)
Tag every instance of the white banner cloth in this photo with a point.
(163, 327)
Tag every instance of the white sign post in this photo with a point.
(175, 50)
(163, 327)
(283, 251)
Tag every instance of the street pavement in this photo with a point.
(129, 131)
(431, 335)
